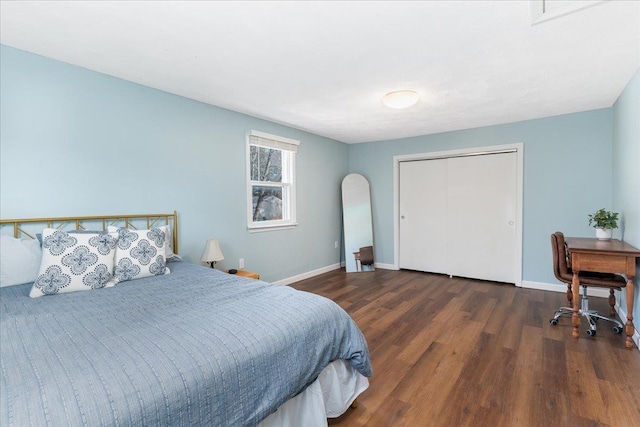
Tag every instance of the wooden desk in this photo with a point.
(603, 256)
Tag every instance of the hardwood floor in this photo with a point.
(460, 352)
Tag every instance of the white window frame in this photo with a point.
(289, 148)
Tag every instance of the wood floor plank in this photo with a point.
(459, 352)
(616, 407)
(583, 386)
(392, 316)
(525, 380)
(390, 413)
(433, 399)
(554, 367)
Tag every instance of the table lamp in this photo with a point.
(212, 252)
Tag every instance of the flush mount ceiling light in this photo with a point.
(400, 99)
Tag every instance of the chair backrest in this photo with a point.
(561, 263)
(366, 255)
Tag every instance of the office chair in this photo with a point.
(562, 271)
(366, 256)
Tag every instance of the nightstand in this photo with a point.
(249, 274)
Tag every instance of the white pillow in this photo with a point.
(139, 253)
(168, 242)
(19, 260)
(77, 262)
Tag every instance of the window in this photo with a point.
(271, 191)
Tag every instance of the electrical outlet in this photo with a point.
(336, 244)
(241, 263)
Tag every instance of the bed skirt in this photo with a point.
(329, 396)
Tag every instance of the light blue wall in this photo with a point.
(567, 175)
(626, 174)
(76, 142)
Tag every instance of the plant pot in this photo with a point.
(603, 234)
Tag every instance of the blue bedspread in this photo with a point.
(195, 347)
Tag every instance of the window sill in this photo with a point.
(263, 228)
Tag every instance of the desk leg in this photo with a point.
(629, 329)
(575, 318)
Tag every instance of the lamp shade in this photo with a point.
(212, 252)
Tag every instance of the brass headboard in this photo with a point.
(29, 226)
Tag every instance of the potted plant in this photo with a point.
(604, 222)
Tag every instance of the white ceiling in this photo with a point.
(324, 66)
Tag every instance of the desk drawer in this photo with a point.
(599, 262)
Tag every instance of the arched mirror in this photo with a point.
(358, 226)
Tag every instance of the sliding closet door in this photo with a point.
(481, 202)
(423, 215)
(458, 216)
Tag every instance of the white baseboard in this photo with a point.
(384, 266)
(376, 265)
(560, 287)
(308, 275)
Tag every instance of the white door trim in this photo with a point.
(519, 149)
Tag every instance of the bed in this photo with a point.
(192, 347)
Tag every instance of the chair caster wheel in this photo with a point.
(591, 332)
(554, 322)
(617, 329)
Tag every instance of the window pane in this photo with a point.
(267, 203)
(254, 163)
(266, 164)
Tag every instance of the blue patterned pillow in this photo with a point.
(139, 253)
(39, 235)
(77, 262)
